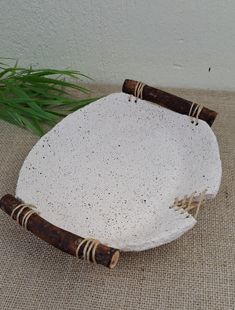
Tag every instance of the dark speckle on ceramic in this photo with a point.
(112, 169)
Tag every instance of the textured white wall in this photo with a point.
(162, 42)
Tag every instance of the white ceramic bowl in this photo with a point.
(112, 170)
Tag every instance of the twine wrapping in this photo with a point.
(21, 207)
(89, 249)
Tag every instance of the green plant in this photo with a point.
(31, 98)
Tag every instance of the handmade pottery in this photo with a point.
(113, 169)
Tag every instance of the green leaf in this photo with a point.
(32, 97)
(33, 125)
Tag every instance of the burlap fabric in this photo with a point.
(194, 272)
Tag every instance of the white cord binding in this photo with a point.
(21, 207)
(188, 203)
(138, 92)
(194, 112)
(89, 249)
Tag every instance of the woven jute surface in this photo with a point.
(195, 272)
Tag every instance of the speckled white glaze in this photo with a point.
(112, 170)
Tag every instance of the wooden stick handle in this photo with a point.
(59, 238)
(168, 100)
